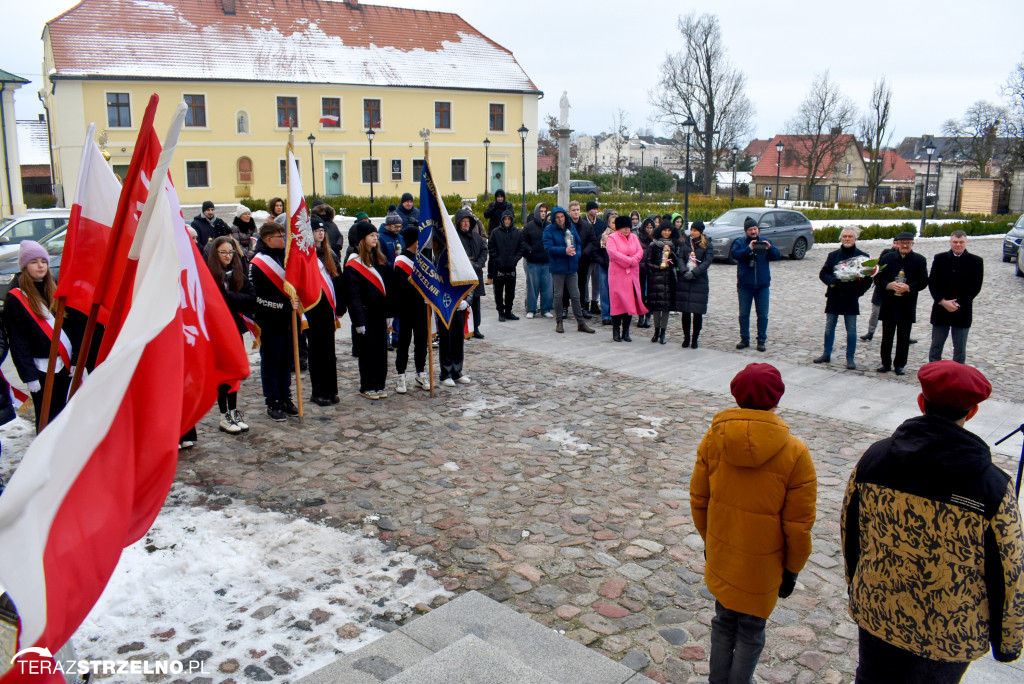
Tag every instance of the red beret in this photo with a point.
(758, 386)
(949, 383)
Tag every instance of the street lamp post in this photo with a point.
(312, 162)
(778, 170)
(929, 150)
(523, 131)
(938, 184)
(487, 166)
(643, 148)
(688, 126)
(732, 192)
(369, 137)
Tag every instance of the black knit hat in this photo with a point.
(697, 225)
(623, 222)
(207, 205)
(748, 223)
(591, 205)
(364, 228)
(410, 234)
(406, 197)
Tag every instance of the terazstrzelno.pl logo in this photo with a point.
(46, 664)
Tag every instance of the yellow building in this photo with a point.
(333, 70)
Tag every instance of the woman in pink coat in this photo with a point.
(624, 257)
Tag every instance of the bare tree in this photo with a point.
(877, 136)
(1013, 91)
(700, 83)
(974, 136)
(620, 139)
(547, 141)
(820, 121)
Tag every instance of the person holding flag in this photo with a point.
(366, 272)
(323, 321)
(411, 312)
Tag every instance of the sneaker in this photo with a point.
(276, 413)
(463, 380)
(448, 382)
(371, 394)
(186, 444)
(228, 425)
(400, 388)
(850, 365)
(549, 315)
(423, 381)
(289, 407)
(511, 316)
(529, 315)
(382, 394)
(238, 417)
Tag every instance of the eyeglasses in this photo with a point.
(222, 253)
(319, 230)
(277, 235)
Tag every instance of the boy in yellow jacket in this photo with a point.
(752, 496)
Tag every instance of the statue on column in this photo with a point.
(563, 104)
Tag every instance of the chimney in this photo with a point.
(228, 6)
(352, 3)
(42, 118)
(836, 130)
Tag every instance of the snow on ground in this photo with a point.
(570, 442)
(473, 409)
(248, 584)
(642, 433)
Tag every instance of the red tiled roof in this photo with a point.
(756, 148)
(545, 162)
(794, 146)
(298, 41)
(901, 171)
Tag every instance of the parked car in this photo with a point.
(788, 230)
(1011, 243)
(577, 187)
(9, 269)
(31, 226)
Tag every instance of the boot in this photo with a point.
(641, 321)
(686, 330)
(558, 326)
(662, 338)
(657, 333)
(228, 425)
(625, 329)
(583, 327)
(616, 336)
(647, 320)
(697, 325)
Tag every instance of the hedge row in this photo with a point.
(875, 231)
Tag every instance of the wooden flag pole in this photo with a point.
(58, 323)
(287, 249)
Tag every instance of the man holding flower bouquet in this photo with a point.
(847, 275)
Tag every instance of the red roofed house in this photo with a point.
(249, 68)
(839, 173)
(897, 178)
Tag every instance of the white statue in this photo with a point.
(563, 117)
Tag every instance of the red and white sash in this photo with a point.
(270, 268)
(367, 272)
(405, 264)
(46, 325)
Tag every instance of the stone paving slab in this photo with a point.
(468, 661)
(376, 662)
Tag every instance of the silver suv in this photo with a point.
(576, 187)
(788, 230)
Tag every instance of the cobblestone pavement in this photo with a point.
(562, 490)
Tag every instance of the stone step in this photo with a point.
(435, 648)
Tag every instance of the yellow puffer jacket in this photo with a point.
(752, 496)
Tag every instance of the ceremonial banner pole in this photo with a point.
(287, 248)
(58, 323)
(425, 134)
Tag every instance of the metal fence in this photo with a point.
(830, 194)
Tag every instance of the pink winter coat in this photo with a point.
(624, 257)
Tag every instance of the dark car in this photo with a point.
(1011, 243)
(53, 243)
(788, 230)
(577, 187)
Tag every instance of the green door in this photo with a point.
(497, 176)
(332, 177)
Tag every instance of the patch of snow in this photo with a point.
(450, 466)
(655, 421)
(15, 438)
(569, 441)
(643, 433)
(474, 408)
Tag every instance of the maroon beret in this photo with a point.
(758, 386)
(949, 383)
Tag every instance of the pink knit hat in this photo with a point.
(30, 250)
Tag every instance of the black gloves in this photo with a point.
(1004, 657)
(788, 583)
(688, 275)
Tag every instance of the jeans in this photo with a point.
(850, 321)
(538, 282)
(737, 640)
(606, 302)
(939, 334)
(759, 298)
(882, 663)
(568, 281)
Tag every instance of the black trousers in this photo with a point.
(413, 324)
(504, 291)
(450, 344)
(373, 355)
(226, 399)
(58, 397)
(323, 362)
(276, 365)
(882, 663)
(901, 331)
(582, 278)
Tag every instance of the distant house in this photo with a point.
(755, 150)
(948, 167)
(599, 152)
(841, 177)
(12, 201)
(34, 155)
(545, 162)
(897, 185)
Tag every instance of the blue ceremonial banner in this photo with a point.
(448, 276)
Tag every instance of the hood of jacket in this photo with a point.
(556, 210)
(934, 442)
(536, 214)
(464, 213)
(606, 214)
(750, 437)
(511, 214)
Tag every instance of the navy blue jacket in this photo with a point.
(752, 271)
(554, 245)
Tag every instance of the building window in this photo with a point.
(197, 174)
(458, 170)
(497, 117)
(330, 112)
(371, 113)
(196, 114)
(396, 169)
(120, 170)
(371, 170)
(767, 191)
(283, 165)
(417, 170)
(244, 170)
(287, 112)
(242, 123)
(119, 110)
(442, 115)
(849, 169)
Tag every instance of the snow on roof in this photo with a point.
(290, 41)
(33, 143)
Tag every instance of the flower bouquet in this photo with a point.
(849, 270)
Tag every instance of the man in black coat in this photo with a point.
(476, 250)
(904, 273)
(589, 273)
(954, 282)
(842, 297)
(504, 249)
(590, 242)
(496, 209)
(208, 226)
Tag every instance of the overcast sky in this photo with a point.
(940, 57)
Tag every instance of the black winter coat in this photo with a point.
(876, 294)
(533, 239)
(273, 312)
(494, 211)
(590, 240)
(959, 278)
(661, 282)
(902, 309)
(476, 250)
(842, 298)
(205, 231)
(504, 250)
(692, 294)
(406, 300)
(26, 339)
(241, 302)
(367, 305)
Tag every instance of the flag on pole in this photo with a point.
(95, 479)
(445, 282)
(301, 265)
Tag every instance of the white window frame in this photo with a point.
(400, 171)
(504, 118)
(376, 180)
(849, 169)
(451, 117)
(282, 165)
(248, 122)
(767, 191)
(298, 112)
(451, 169)
(209, 173)
(340, 128)
(131, 109)
(206, 111)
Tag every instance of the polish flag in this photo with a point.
(329, 120)
(93, 482)
(301, 265)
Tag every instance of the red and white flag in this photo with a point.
(301, 265)
(95, 479)
(330, 120)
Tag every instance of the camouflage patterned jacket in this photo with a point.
(933, 544)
